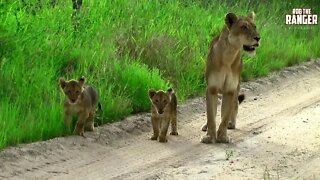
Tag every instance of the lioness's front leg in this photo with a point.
(212, 101)
(155, 126)
(226, 110)
(234, 111)
(82, 117)
(164, 129)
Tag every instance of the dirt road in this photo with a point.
(277, 136)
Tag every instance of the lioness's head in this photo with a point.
(243, 31)
(72, 89)
(160, 99)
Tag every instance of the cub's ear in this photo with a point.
(170, 91)
(151, 93)
(62, 83)
(231, 19)
(82, 80)
(251, 15)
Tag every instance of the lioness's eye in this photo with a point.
(157, 100)
(77, 92)
(165, 101)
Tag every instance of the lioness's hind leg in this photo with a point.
(174, 126)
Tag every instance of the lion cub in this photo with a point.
(163, 111)
(80, 100)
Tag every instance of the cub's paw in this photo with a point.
(80, 133)
(162, 139)
(90, 128)
(175, 133)
(204, 127)
(223, 139)
(206, 139)
(231, 126)
(153, 137)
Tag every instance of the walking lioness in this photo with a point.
(163, 111)
(223, 72)
(81, 100)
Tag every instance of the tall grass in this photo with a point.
(124, 47)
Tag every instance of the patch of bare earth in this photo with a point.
(277, 136)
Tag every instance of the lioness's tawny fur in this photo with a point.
(80, 100)
(223, 72)
(163, 111)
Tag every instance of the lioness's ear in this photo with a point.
(230, 19)
(251, 15)
(62, 83)
(82, 80)
(151, 93)
(170, 91)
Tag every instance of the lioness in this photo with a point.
(163, 111)
(223, 72)
(79, 99)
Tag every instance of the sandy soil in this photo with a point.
(277, 137)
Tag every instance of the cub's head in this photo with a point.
(160, 99)
(243, 31)
(72, 89)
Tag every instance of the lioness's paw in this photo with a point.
(206, 139)
(162, 139)
(231, 126)
(153, 137)
(223, 139)
(204, 127)
(174, 133)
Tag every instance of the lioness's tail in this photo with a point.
(241, 98)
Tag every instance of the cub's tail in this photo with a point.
(241, 98)
(99, 107)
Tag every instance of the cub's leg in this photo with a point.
(174, 125)
(82, 117)
(164, 129)
(90, 124)
(67, 119)
(155, 125)
(212, 101)
(226, 109)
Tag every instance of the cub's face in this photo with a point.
(72, 89)
(160, 100)
(243, 31)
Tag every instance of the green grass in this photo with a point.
(124, 47)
